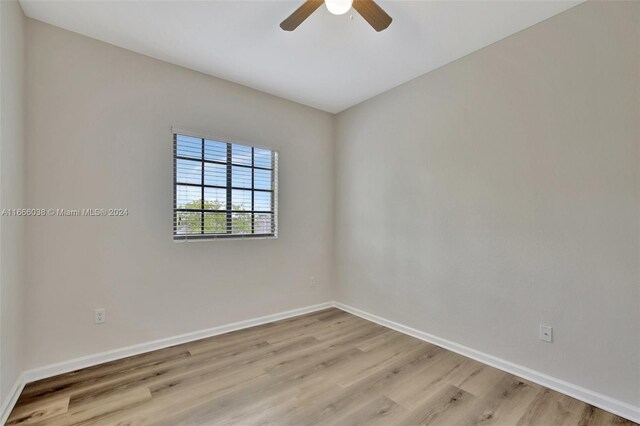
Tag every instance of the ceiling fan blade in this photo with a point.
(301, 13)
(373, 14)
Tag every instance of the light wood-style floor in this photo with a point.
(327, 367)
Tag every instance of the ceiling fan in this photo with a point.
(370, 11)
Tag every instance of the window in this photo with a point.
(223, 190)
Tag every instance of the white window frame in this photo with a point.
(228, 210)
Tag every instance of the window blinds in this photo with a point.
(223, 190)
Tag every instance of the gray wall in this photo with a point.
(500, 192)
(12, 290)
(100, 121)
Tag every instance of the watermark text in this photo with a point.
(58, 212)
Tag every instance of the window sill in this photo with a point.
(195, 238)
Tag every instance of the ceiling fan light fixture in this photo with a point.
(338, 7)
(368, 9)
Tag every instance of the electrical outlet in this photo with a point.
(312, 281)
(546, 333)
(100, 315)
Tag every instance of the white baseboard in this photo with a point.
(12, 398)
(100, 358)
(596, 399)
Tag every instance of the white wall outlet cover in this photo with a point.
(546, 333)
(100, 315)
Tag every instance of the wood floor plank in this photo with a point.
(320, 395)
(323, 368)
(448, 406)
(380, 360)
(476, 378)
(592, 416)
(29, 414)
(181, 397)
(99, 373)
(345, 401)
(321, 355)
(326, 328)
(214, 362)
(373, 342)
(506, 403)
(264, 401)
(122, 380)
(379, 412)
(321, 398)
(233, 338)
(101, 406)
(427, 381)
(552, 408)
(293, 382)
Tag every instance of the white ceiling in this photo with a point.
(330, 62)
